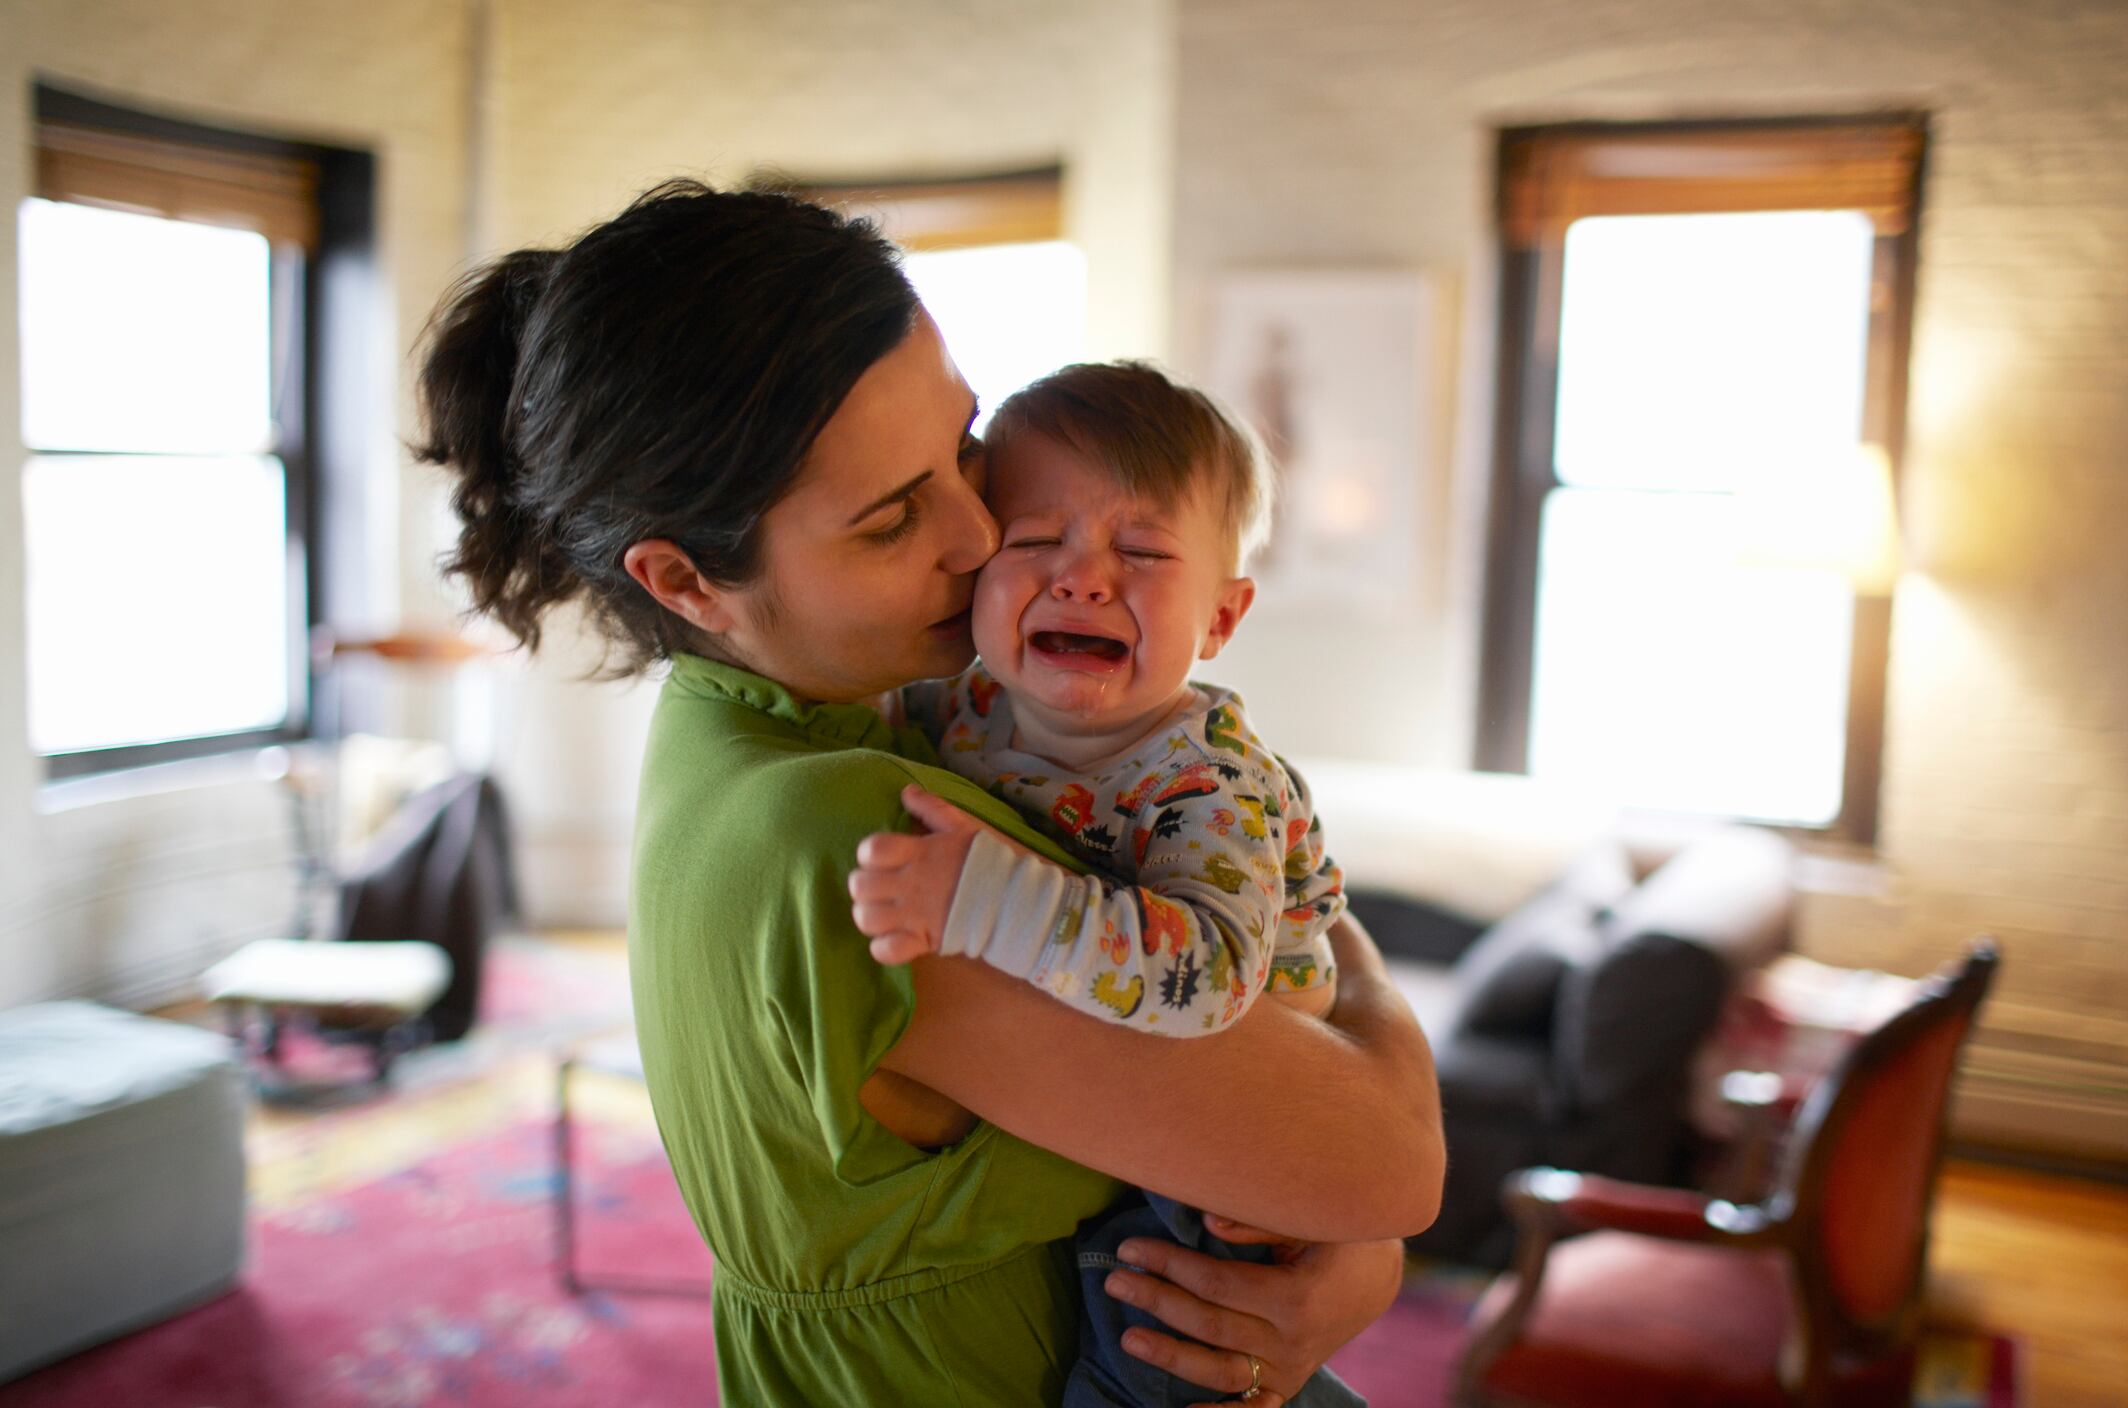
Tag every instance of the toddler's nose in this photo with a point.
(1080, 584)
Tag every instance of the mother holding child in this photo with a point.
(910, 1029)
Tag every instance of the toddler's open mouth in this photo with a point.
(1073, 647)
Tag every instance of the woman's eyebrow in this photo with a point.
(891, 496)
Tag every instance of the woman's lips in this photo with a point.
(954, 625)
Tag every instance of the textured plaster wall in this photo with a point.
(1360, 133)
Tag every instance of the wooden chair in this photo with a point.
(1809, 1297)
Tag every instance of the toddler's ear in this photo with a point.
(1232, 603)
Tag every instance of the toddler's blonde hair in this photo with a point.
(1160, 439)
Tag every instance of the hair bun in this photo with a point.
(468, 393)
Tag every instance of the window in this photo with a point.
(171, 396)
(1703, 349)
(988, 258)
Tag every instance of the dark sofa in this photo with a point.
(1564, 1031)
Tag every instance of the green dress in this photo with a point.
(852, 1268)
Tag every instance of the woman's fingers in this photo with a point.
(1221, 1369)
(1200, 1319)
(1208, 1279)
(1241, 1234)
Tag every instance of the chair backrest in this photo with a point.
(1861, 1170)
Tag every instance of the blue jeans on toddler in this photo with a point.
(1105, 1376)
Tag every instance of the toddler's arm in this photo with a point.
(1183, 953)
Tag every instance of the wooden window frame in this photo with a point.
(961, 212)
(317, 206)
(1550, 176)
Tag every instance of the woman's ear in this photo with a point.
(662, 568)
(1235, 597)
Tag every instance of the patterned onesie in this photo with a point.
(1225, 887)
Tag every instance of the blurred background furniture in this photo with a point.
(434, 863)
(405, 870)
(1787, 1026)
(1811, 1296)
(375, 993)
(121, 1175)
(617, 1056)
(1564, 967)
(439, 872)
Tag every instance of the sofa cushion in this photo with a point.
(1402, 927)
(1730, 891)
(1493, 1080)
(1431, 990)
(1631, 1021)
(1475, 844)
(1510, 978)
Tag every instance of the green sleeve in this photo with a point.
(840, 1011)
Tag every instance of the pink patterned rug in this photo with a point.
(383, 1273)
(435, 1285)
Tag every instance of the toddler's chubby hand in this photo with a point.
(903, 886)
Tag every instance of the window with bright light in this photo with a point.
(1689, 371)
(167, 345)
(988, 258)
(1009, 312)
(154, 512)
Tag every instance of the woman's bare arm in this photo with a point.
(1325, 1131)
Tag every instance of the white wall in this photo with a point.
(1360, 133)
(123, 893)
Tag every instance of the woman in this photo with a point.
(723, 424)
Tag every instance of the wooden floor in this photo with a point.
(2045, 1259)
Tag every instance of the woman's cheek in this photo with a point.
(984, 610)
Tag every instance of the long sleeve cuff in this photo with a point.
(1006, 907)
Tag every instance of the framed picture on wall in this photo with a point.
(1342, 373)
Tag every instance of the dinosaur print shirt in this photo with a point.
(1213, 880)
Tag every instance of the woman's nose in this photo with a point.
(972, 534)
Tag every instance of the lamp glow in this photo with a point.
(1834, 517)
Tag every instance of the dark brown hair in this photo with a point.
(1160, 439)
(662, 377)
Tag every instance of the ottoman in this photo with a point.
(121, 1175)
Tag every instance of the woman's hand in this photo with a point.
(1291, 1316)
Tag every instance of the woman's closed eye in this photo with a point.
(971, 465)
(901, 527)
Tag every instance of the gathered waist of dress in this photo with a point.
(889, 1288)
